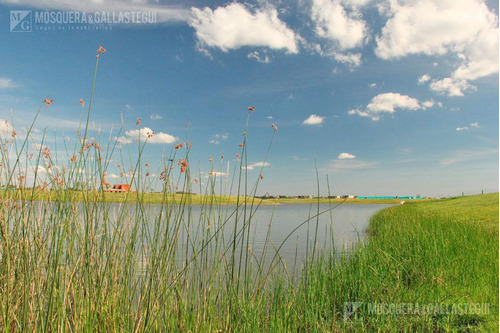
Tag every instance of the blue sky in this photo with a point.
(386, 97)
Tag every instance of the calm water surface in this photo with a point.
(282, 225)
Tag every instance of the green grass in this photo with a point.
(443, 252)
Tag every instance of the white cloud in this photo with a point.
(155, 117)
(234, 26)
(164, 13)
(342, 25)
(466, 28)
(143, 134)
(5, 128)
(428, 104)
(6, 83)
(41, 170)
(389, 103)
(424, 78)
(216, 173)
(373, 85)
(123, 140)
(216, 138)
(462, 156)
(346, 156)
(350, 164)
(353, 60)
(472, 125)
(256, 165)
(314, 120)
(256, 55)
(451, 86)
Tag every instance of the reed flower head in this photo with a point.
(179, 146)
(274, 127)
(46, 152)
(183, 163)
(47, 102)
(241, 144)
(138, 122)
(82, 102)
(100, 50)
(251, 108)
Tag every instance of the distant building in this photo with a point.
(120, 188)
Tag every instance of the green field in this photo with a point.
(158, 198)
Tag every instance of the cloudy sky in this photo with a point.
(384, 97)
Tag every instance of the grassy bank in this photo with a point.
(443, 254)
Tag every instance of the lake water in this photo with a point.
(289, 228)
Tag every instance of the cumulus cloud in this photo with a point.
(314, 120)
(234, 26)
(428, 104)
(459, 129)
(256, 165)
(424, 78)
(339, 22)
(389, 103)
(475, 125)
(217, 138)
(346, 156)
(451, 86)
(155, 117)
(353, 60)
(258, 57)
(466, 28)
(144, 134)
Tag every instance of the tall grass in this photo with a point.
(71, 261)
